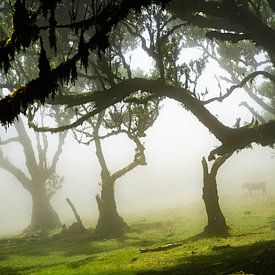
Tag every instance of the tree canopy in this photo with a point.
(63, 29)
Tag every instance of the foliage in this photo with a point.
(162, 31)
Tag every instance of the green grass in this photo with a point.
(250, 247)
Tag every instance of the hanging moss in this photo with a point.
(52, 34)
(25, 32)
(6, 54)
(44, 65)
(83, 51)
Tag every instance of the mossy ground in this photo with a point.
(250, 248)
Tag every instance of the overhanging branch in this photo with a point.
(106, 98)
(240, 85)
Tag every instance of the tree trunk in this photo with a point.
(110, 224)
(216, 221)
(216, 224)
(44, 216)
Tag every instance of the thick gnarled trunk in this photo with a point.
(44, 216)
(110, 224)
(216, 223)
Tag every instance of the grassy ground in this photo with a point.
(250, 248)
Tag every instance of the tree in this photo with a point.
(131, 119)
(216, 224)
(133, 122)
(42, 182)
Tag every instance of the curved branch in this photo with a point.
(99, 153)
(230, 37)
(232, 139)
(26, 143)
(139, 159)
(240, 85)
(10, 140)
(64, 127)
(219, 162)
(58, 152)
(118, 92)
(215, 22)
(263, 134)
(252, 111)
(15, 171)
(204, 166)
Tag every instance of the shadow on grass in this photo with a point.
(84, 244)
(2, 257)
(24, 247)
(258, 258)
(90, 245)
(7, 270)
(77, 264)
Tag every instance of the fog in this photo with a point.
(172, 178)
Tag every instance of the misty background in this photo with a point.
(175, 145)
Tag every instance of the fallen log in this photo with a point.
(160, 248)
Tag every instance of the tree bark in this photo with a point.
(110, 224)
(44, 216)
(216, 223)
(77, 217)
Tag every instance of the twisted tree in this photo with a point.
(41, 180)
(129, 119)
(216, 224)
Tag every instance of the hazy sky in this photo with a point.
(174, 146)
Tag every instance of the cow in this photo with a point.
(251, 186)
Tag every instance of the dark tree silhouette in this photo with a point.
(216, 224)
(131, 120)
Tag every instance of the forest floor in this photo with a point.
(249, 249)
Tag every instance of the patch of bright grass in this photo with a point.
(250, 242)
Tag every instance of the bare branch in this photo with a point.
(64, 127)
(61, 141)
(139, 159)
(99, 152)
(231, 37)
(10, 140)
(263, 134)
(253, 112)
(15, 171)
(204, 166)
(118, 92)
(219, 162)
(26, 144)
(240, 85)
